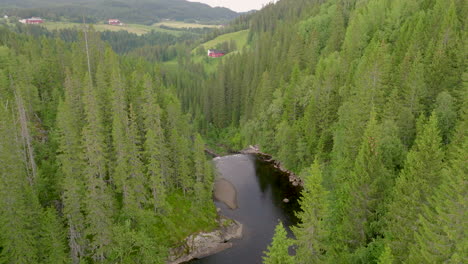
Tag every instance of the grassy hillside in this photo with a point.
(199, 54)
(240, 37)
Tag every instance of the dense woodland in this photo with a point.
(153, 46)
(101, 160)
(366, 101)
(97, 161)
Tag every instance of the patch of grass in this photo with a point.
(211, 64)
(240, 37)
(180, 24)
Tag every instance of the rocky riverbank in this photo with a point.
(293, 178)
(204, 244)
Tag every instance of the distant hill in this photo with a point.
(129, 11)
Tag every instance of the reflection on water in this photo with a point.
(260, 193)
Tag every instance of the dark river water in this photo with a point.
(260, 193)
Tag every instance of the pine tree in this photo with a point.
(311, 233)
(18, 216)
(120, 173)
(69, 122)
(180, 148)
(137, 177)
(372, 75)
(413, 187)
(368, 182)
(440, 233)
(52, 238)
(446, 115)
(181, 160)
(386, 256)
(157, 164)
(278, 250)
(200, 170)
(413, 87)
(98, 201)
(444, 63)
(337, 30)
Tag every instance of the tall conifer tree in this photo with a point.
(311, 233)
(278, 250)
(157, 164)
(98, 200)
(413, 188)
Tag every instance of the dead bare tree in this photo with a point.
(26, 138)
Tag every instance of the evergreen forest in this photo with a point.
(102, 149)
(144, 12)
(98, 163)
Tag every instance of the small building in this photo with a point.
(32, 21)
(115, 22)
(215, 53)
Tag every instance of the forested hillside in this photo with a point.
(366, 101)
(97, 162)
(101, 158)
(153, 46)
(129, 11)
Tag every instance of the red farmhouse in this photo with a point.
(215, 53)
(32, 21)
(115, 22)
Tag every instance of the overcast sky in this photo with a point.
(236, 5)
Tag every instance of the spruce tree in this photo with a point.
(368, 182)
(311, 233)
(416, 181)
(278, 250)
(446, 115)
(386, 257)
(120, 172)
(19, 213)
(200, 170)
(69, 123)
(155, 150)
(98, 200)
(440, 234)
(52, 238)
(443, 57)
(137, 177)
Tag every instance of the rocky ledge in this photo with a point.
(293, 178)
(205, 244)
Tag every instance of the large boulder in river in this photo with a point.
(225, 192)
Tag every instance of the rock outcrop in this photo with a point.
(293, 178)
(204, 244)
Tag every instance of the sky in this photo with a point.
(236, 5)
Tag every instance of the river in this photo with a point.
(260, 192)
